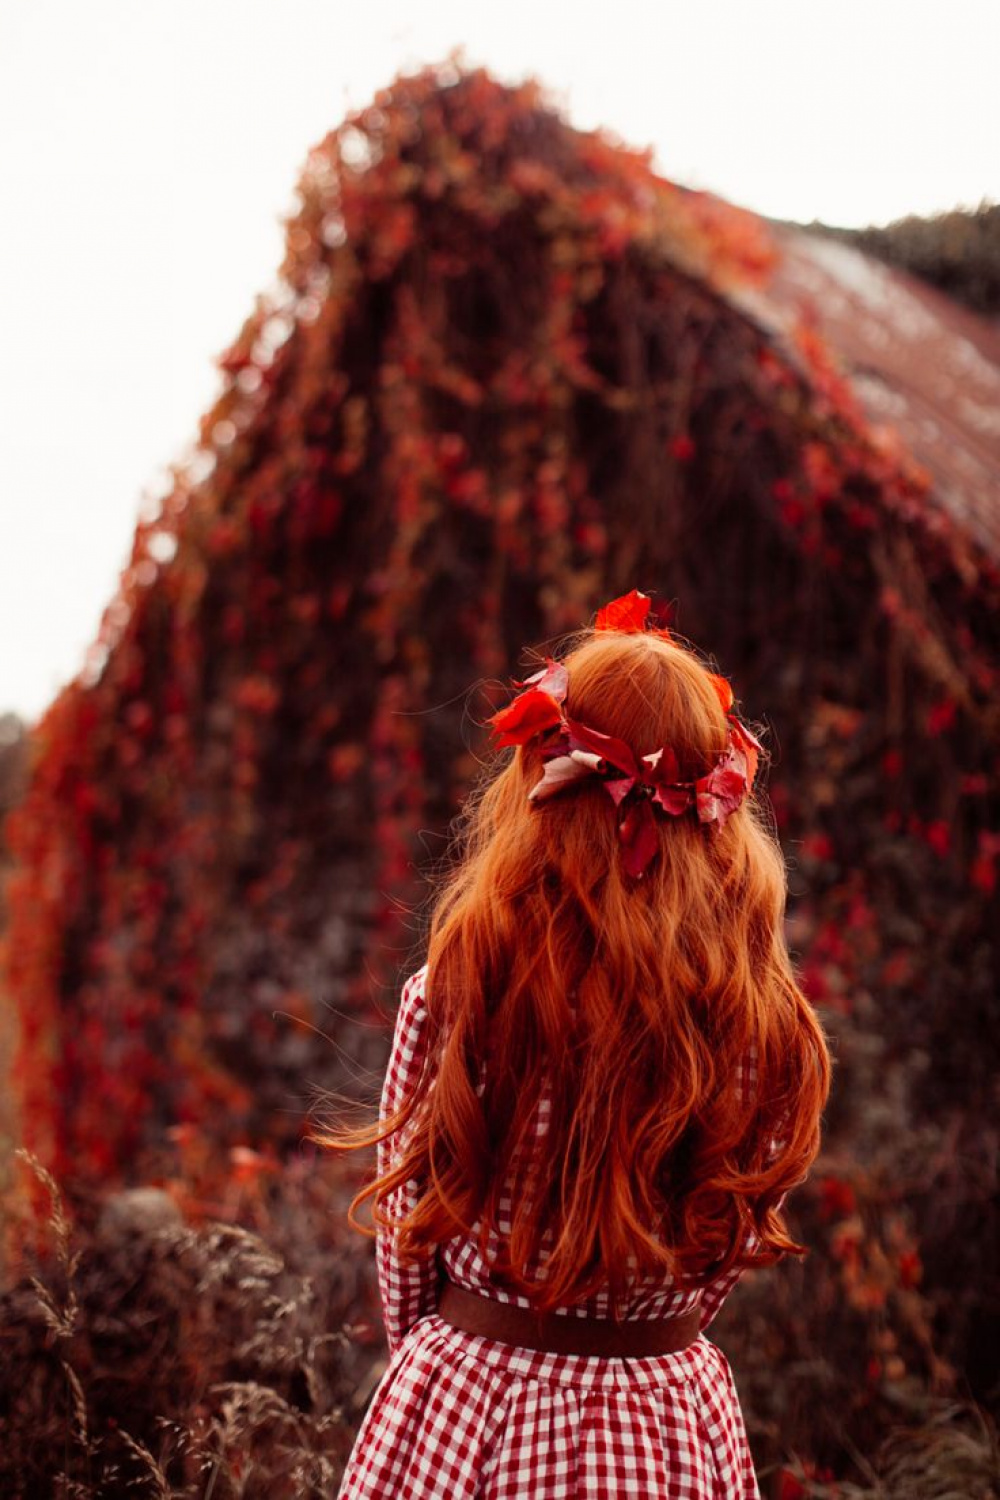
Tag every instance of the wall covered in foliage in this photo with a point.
(501, 380)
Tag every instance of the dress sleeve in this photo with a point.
(408, 1289)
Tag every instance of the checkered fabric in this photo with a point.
(457, 1415)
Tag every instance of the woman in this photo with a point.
(603, 1082)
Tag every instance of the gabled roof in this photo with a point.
(918, 362)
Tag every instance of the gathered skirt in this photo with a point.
(463, 1417)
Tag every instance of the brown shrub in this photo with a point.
(144, 1355)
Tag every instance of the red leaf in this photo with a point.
(663, 772)
(528, 715)
(674, 799)
(560, 772)
(618, 788)
(892, 762)
(747, 743)
(910, 1268)
(938, 835)
(639, 836)
(611, 749)
(941, 715)
(837, 1197)
(627, 612)
(662, 766)
(720, 792)
(553, 679)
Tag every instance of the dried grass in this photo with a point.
(149, 1357)
(142, 1356)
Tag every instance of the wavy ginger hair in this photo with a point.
(637, 1004)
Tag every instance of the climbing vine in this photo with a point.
(501, 379)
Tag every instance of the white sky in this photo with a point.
(148, 149)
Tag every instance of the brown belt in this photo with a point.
(564, 1333)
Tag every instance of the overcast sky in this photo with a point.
(148, 149)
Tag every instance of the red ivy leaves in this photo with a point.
(629, 612)
(528, 715)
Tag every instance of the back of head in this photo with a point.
(685, 1068)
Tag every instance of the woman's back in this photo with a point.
(471, 1418)
(602, 1084)
(461, 1258)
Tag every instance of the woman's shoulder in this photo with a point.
(409, 1042)
(418, 979)
(412, 1010)
(414, 993)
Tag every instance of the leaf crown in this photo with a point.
(643, 788)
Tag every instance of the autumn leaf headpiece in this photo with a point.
(636, 784)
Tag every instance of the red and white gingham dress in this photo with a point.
(458, 1416)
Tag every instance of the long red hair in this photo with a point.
(687, 1071)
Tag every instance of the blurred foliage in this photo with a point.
(143, 1355)
(499, 382)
